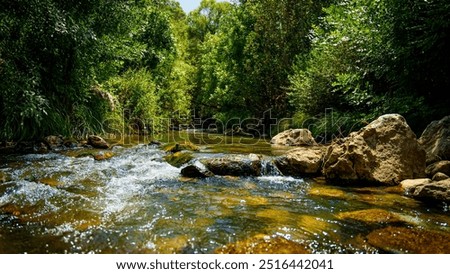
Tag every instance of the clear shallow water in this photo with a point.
(137, 203)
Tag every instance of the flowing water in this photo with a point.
(135, 202)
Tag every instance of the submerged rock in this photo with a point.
(314, 225)
(264, 244)
(301, 161)
(328, 192)
(234, 165)
(372, 216)
(97, 142)
(410, 240)
(384, 152)
(172, 245)
(436, 140)
(50, 182)
(294, 137)
(277, 216)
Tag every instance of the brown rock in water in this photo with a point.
(384, 152)
(410, 185)
(436, 140)
(234, 165)
(371, 216)
(294, 137)
(97, 142)
(410, 240)
(103, 156)
(434, 191)
(301, 161)
(196, 170)
(263, 244)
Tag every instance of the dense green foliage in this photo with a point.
(247, 55)
(58, 60)
(78, 67)
(374, 57)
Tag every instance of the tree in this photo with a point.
(64, 64)
(371, 57)
(52, 53)
(246, 62)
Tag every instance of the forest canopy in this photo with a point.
(93, 66)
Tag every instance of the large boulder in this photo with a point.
(301, 161)
(234, 165)
(436, 140)
(384, 152)
(294, 137)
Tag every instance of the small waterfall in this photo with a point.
(268, 168)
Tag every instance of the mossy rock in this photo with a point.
(263, 244)
(410, 240)
(178, 159)
(372, 216)
(177, 147)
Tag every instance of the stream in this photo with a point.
(136, 202)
